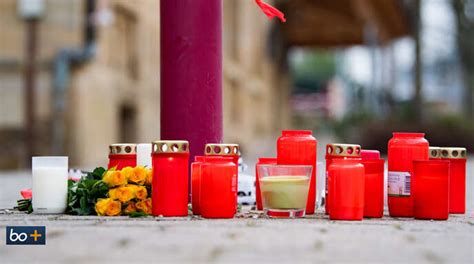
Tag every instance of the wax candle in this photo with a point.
(122, 155)
(457, 178)
(144, 155)
(403, 149)
(170, 177)
(218, 198)
(430, 189)
(337, 151)
(258, 194)
(50, 176)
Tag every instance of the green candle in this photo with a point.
(284, 192)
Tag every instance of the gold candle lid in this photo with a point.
(222, 149)
(344, 150)
(435, 152)
(453, 153)
(170, 146)
(123, 149)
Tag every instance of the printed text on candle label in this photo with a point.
(399, 183)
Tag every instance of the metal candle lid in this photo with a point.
(343, 150)
(123, 149)
(222, 149)
(435, 152)
(453, 153)
(170, 146)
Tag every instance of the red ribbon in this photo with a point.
(270, 11)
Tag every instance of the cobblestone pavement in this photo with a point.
(250, 237)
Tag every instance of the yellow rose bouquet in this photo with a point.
(129, 192)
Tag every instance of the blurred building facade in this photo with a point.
(113, 96)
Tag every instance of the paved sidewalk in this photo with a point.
(92, 239)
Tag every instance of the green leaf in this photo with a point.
(138, 214)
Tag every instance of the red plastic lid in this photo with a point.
(270, 11)
(369, 154)
(296, 132)
(408, 134)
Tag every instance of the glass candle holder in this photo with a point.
(170, 177)
(285, 189)
(122, 155)
(337, 151)
(218, 195)
(403, 149)
(258, 193)
(298, 147)
(50, 176)
(373, 187)
(196, 184)
(346, 188)
(457, 158)
(431, 189)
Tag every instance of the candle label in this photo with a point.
(399, 183)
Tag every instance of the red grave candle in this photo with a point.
(457, 178)
(430, 189)
(338, 151)
(170, 178)
(258, 193)
(298, 147)
(403, 149)
(218, 188)
(196, 183)
(373, 187)
(369, 154)
(122, 155)
(346, 188)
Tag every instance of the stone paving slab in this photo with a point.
(315, 239)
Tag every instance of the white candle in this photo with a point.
(144, 155)
(50, 176)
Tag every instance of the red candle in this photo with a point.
(373, 187)
(334, 152)
(298, 147)
(457, 178)
(370, 154)
(218, 188)
(122, 155)
(258, 193)
(346, 186)
(196, 183)
(431, 189)
(403, 149)
(170, 178)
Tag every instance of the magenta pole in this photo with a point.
(191, 72)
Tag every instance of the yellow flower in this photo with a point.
(108, 207)
(130, 208)
(122, 193)
(144, 206)
(138, 176)
(149, 177)
(140, 192)
(128, 172)
(114, 178)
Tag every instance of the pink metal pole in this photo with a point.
(191, 72)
